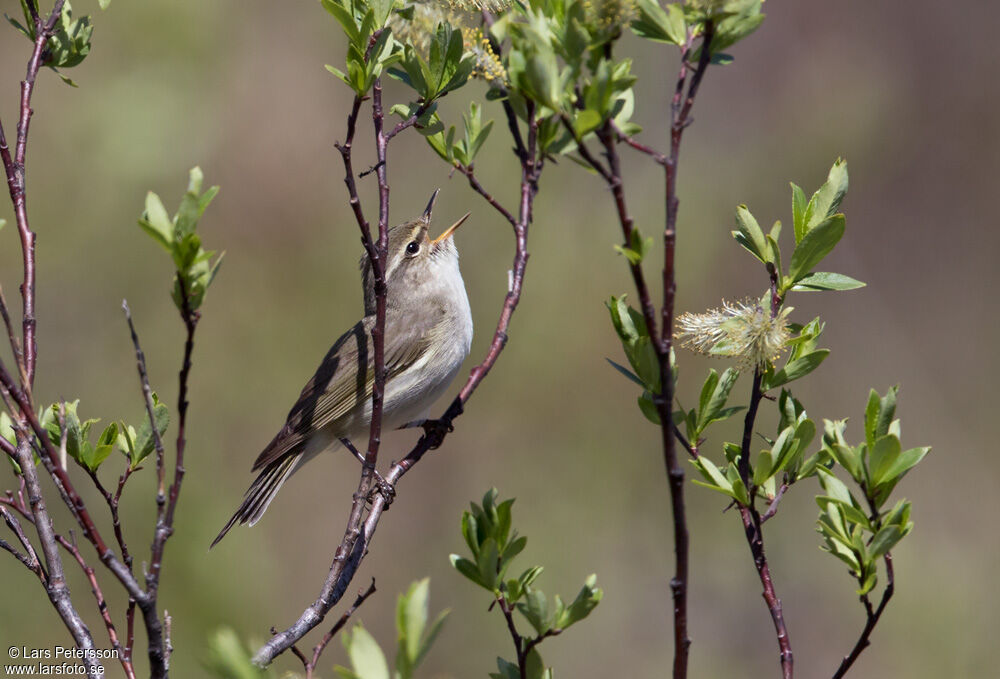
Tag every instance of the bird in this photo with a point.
(428, 335)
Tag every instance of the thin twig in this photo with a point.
(147, 395)
(772, 508)
(660, 158)
(15, 171)
(55, 585)
(102, 605)
(755, 538)
(30, 556)
(15, 345)
(158, 651)
(872, 618)
(409, 122)
(469, 172)
(310, 666)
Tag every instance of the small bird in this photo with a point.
(428, 333)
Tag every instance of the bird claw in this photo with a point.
(436, 430)
(383, 488)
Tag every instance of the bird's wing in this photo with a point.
(337, 387)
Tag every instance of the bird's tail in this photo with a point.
(261, 492)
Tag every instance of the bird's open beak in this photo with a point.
(430, 204)
(450, 230)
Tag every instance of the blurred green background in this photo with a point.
(907, 93)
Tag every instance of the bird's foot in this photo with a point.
(436, 430)
(383, 488)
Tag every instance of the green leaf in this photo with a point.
(714, 478)
(798, 212)
(626, 372)
(157, 223)
(469, 532)
(535, 608)
(586, 121)
(586, 601)
(849, 458)
(814, 246)
(507, 670)
(411, 616)
(748, 234)
(885, 539)
(882, 457)
(467, 568)
(763, 469)
(655, 23)
(707, 389)
(848, 511)
(826, 281)
(105, 445)
(144, 441)
(529, 576)
(871, 417)
(513, 548)
(796, 368)
(534, 667)
(825, 202)
(835, 488)
(366, 657)
(432, 635)
(228, 657)
(904, 462)
(740, 492)
(345, 17)
(487, 563)
(712, 405)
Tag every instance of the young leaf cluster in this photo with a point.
(711, 404)
(465, 150)
(195, 267)
(69, 43)
(861, 534)
(134, 444)
(370, 45)
(413, 635)
(818, 227)
(493, 545)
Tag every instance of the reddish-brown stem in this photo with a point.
(407, 123)
(469, 173)
(663, 338)
(658, 157)
(752, 521)
(751, 526)
(112, 501)
(871, 619)
(522, 645)
(102, 605)
(158, 650)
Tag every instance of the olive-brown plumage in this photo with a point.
(428, 333)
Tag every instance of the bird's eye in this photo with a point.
(413, 247)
